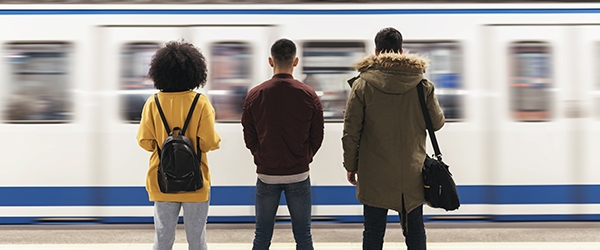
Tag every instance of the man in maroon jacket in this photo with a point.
(283, 128)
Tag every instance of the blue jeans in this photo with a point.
(413, 228)
(299, 202)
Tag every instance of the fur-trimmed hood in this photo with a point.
(392, 72)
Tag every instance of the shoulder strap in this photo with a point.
(162, 114)
(189, 116)
(187, 119)
(436, 147)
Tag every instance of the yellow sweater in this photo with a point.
(151, 133)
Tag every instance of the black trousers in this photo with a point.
(375, 223)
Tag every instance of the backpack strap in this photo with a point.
(187, 119)
(189, 116)
(162, 114)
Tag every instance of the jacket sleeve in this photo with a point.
(435, 111)
(146, 135)
(209, 139)
(353, 125)
(250, 134)
(317, 126)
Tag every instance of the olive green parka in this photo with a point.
(384, 130)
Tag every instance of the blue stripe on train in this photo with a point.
(322, 195)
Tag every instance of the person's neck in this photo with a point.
(277, 70)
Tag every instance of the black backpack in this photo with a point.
(179, 166)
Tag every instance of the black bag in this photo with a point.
(440, 189)
(179, 166)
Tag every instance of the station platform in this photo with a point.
(324, 246)
(469, 236)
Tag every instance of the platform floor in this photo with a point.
(324, 246)
(469, 236)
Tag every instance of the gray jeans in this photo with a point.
(166, 215)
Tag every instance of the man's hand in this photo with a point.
(352, 177)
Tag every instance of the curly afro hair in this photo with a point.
(179, 66)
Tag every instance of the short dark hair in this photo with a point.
(178, 66)
(283, 52)
(388, 40)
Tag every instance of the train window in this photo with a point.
(135, 86)
(231, 77)
(328, 66)
(530, 81)
(445, 72)
(39, 83)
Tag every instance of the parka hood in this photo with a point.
(392, 72)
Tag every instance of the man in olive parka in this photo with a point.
(384, 139)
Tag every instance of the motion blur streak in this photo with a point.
(518, 85)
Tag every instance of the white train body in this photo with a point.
(516, 154)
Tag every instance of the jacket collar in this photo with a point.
(392, 73)
(411, 62)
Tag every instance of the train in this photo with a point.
(518, 83)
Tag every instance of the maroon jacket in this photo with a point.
(283, 125)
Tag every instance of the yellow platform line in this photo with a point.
(323, 246)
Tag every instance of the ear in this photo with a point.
(401, 51)
(271, 62)
(295, 62)
(376, 52)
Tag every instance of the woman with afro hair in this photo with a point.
(177, 69)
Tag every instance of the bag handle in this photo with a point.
(436, 147)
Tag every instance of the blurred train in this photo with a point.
(519, 85)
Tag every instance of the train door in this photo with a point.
(530, 80)
(46, 160)
(237, 59)
(446, 71)
(124, 56)
(586, 107)
(463, 127)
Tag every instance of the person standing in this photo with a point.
(177, 69)
(283, 128)
(384, 139)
